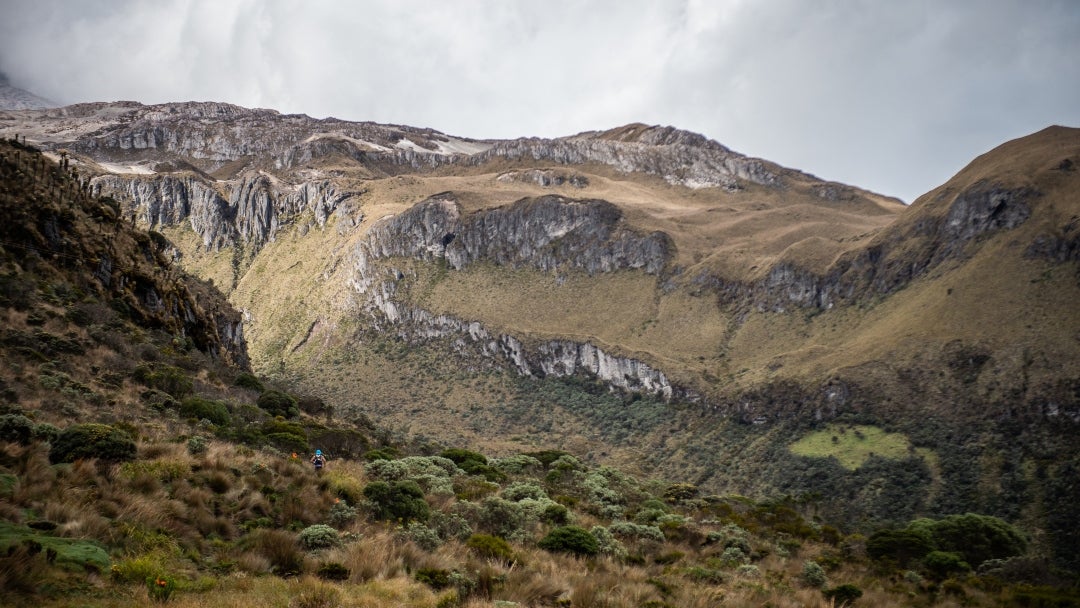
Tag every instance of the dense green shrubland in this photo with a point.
(195, 517)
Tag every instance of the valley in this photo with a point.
(640, 298)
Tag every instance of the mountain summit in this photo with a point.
(14, 98)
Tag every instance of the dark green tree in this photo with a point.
(401, 501)
(978, 537)
(899, 546)
(940, 565)
(277, 403)
(92, 440)
(570, 539)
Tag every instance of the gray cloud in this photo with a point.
(892, 96)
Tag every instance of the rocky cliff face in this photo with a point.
(893, 259)
(680, 157)
(549, 233)
(246, 210)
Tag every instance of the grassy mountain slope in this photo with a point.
(949, 315)
(181, 487)
(785, 306)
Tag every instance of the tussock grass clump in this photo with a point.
(281, 550)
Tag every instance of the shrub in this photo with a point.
(942, 564)
(450, 526)
(976, 537)
(249, 380)
(436, 578)
(397, 501)
(565, 463)
(900, 546)
(318, 536)
(570, 539)
(679, 492)
(205, 409)
(520, 490)
(733, 556)
(649, 516)
(341, 442)
(464, 458)
(491, 547)
(341, 514)
(437, 466)
(707, 576)
(197, 444)
(45, 432)
(92, 440)
(423, 536)
(159, 400)
(277, 403)
(473, 463)
(172, 380)
(813, 575)
(546, 457)
(628, 529)
(518, 464)
(554, 513)
(387, 470)
(387, 453)
(607, 543)
(138, 569)
(288, 442)
(749, 571)
(502, 517)
(843, 595)
(285, 436)
(16, 428)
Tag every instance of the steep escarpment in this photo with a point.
(919, 243)
(548, 233)
(52, 223)
(250, 209)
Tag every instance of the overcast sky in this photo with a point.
(894, 96)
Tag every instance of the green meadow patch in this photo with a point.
(852, 445)
(73, 551)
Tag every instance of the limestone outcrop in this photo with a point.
(896, 257)
(247, 210)
(548, 233)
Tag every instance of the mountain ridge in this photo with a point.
(450, 285)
